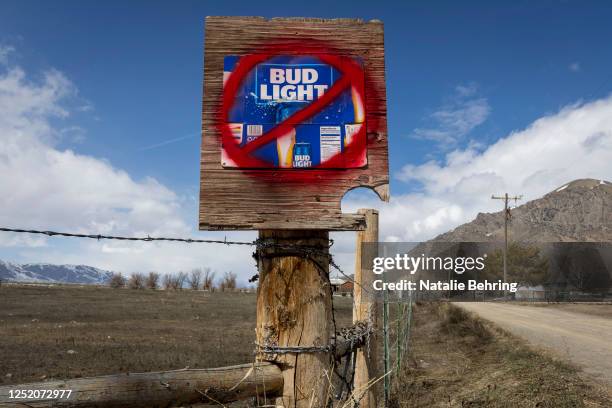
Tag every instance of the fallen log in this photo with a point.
(170, 388)
(153, 390)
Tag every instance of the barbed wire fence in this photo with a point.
(398, 329)
(259, 244)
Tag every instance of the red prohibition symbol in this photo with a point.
(352, 77)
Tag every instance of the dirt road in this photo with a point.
(584, 339)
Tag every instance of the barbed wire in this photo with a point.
(306, 251)
(122, 238)
(309, 252)
(271, 349)
(353, 337)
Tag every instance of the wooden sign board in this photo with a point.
(245, 189)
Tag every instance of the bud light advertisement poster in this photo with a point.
(277, 88)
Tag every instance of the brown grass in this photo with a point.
(455, 360)
(121, 330)
(458, 360)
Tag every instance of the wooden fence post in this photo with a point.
(294, 308)
(365, 308)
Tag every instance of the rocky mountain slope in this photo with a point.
(53, 273)
(577, 211)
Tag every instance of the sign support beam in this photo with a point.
(365, 308)
(294, 309)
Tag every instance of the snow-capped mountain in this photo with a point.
(53, 273)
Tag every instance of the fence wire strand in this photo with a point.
(301, 250)
(121, 238)
(304, 251)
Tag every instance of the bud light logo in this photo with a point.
(292, 82)
(301, 155)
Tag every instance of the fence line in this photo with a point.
(303, 250)
(122, 238)
(342, 345)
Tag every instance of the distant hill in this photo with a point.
(577, 211)
(53, 273)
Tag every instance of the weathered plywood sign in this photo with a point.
(294, 116)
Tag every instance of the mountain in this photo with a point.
(571, 226)
(41, 272)
(577, 211)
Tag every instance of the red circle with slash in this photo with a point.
(352, 76)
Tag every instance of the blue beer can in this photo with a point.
(302, 155)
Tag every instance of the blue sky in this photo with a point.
(461, 78)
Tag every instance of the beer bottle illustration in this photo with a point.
(286, 142)
(284, 146)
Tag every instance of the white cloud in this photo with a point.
(45, 187)
(574, 143)
(74, 134)
(5, 51)
(575, 67)
(452, 121)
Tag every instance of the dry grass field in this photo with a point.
(68, 332)
(455, 360)
(459, 360)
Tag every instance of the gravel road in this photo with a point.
(584, 339)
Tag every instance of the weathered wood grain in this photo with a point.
(365, 309)
(159, 389)
(268, 199)
(294, 308)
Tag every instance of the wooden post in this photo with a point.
(365, 308)
(294, 308)
(154, 390)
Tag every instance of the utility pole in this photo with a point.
(507, 216)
